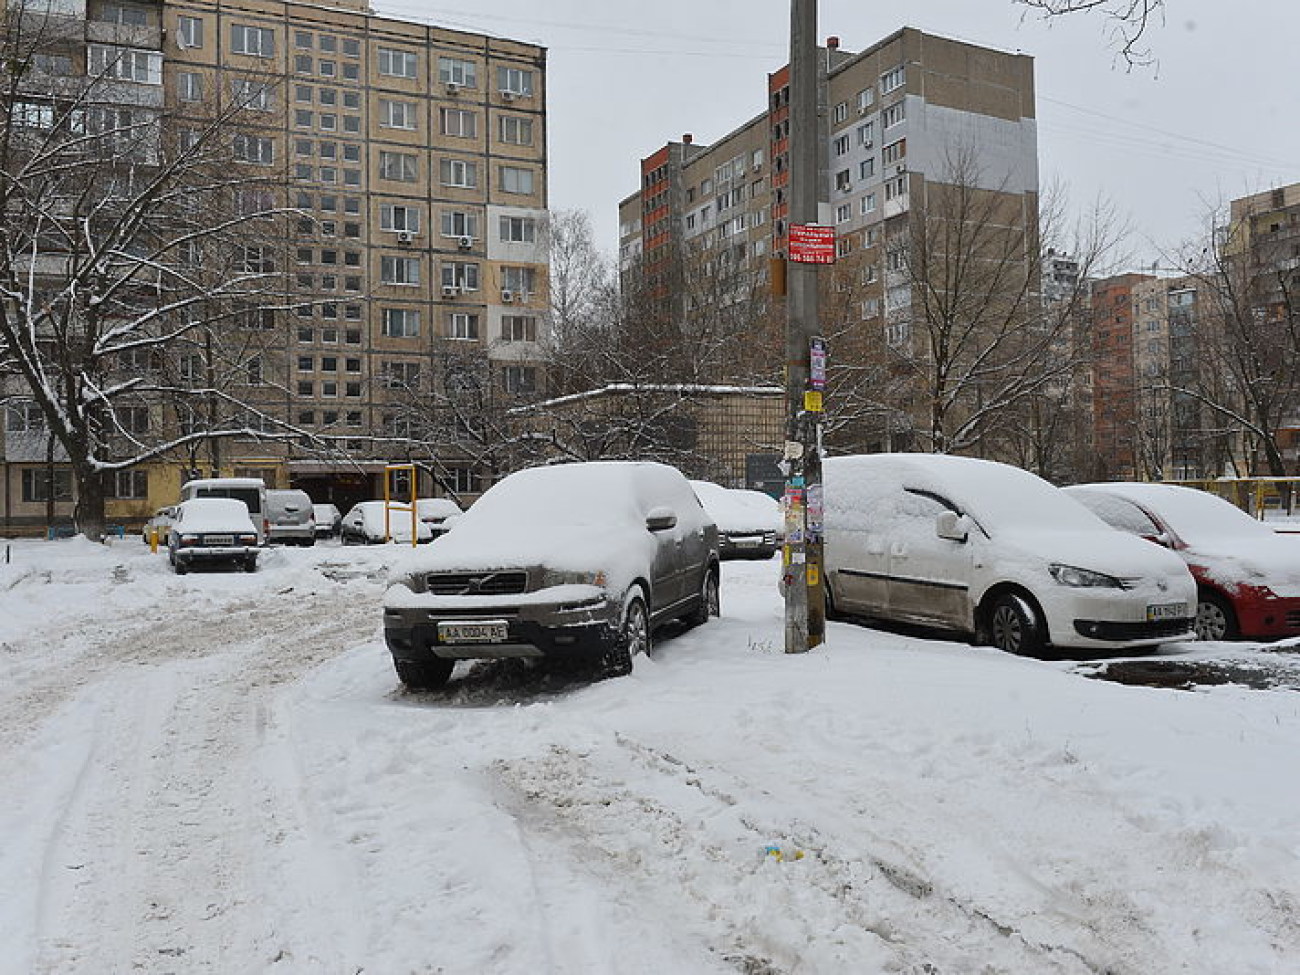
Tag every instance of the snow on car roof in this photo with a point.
(1194, 514)
(221, 514)
(568, 494)
(738, 509)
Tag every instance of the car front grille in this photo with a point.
(1119, 632)
(510, 583)
(1293, 618)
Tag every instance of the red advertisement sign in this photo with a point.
(812, 243)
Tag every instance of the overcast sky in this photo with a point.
(1213, 120)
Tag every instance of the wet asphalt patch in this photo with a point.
(1262, 668)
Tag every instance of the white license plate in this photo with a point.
(218, 541)
(748, 542)
(486, 631)
(1166, 611)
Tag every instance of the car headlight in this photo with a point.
(557, 577)
(1069, 575)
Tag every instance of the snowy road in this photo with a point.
(219, 773)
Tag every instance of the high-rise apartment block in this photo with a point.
(414, 157)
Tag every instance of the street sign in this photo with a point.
(811, 243)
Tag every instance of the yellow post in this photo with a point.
(153, 538)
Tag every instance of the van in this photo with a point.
(989, 550)
(250, 490)
(290, 517)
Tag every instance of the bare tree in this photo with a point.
(1127, 21)
(129, 238)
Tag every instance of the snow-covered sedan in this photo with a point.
(365, 524)
(987, 549)
(575, 561)
(749, 522)
(212, 531)
(1247, 575)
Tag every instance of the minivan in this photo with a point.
(250, 490)
(290, 517)
(990, 550)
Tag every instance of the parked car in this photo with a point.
(364, 525)
(327, 518)
(290, 518)
(1247, 576)
(212, 531)
(575, 561)
(993, 551)
(434, 512)
(749, 523)
(160, 522)
(250, 490)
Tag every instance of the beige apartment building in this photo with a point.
(415, 157)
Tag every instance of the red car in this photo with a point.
(1247, 575)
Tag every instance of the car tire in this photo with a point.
(1215, 618)
(710, 599)
(1015, 627)
(309, 542)
(250, 564)
(633, 637)
(181, 565)
(424, 675)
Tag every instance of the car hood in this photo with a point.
(1258, 561)
(1114, 553)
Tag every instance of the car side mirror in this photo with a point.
(660, 519)
(951, 526)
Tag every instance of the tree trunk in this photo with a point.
(89, 516)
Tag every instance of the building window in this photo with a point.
(842, 145)
(189, 32)
(867, 134)
(400, 375)
(24, 417)
(518, 280)
(516, 180)
(895, 188)
(842, 182)
(868, 204)
(254, 149)
(519, 379)
(516, 130)
(518, 328)
(396, 115)
(396, 217)
(514, 81)
(42, 484)
(459, 122)
(462, 325)
(893, 115)
(397, 64)
(124, 64)
(133, 419)
(843, 213)
(892, 79)
(519, 230)
(841, 111)
(457, 223)
(130, 485)
(894, 153)
(255, 95)
(401, 322)
(399, 270)
(455, 71)
(460, 276)
(189, 86)
(258, 42)
(458, 172)
(867, 168)
(866, 98)
(398, 166)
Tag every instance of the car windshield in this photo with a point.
(586, 494)
(1197, 516)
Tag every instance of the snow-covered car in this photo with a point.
(1247, 575)
(290, 517)
(574, 561)
(212, 531)
(161, 522)
(993, 551)
(327, 518)
(364, 525)
(749, 522)
(434, 512)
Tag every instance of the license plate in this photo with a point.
(747, 542)
(216, 541)
(486, 631)
(1166, 611)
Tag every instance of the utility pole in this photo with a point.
(805, 615)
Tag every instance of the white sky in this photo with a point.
(1212, 121)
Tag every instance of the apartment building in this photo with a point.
(910, 114)
(415, 159)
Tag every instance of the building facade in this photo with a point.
(413, 160)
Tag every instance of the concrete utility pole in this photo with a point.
(805, 614)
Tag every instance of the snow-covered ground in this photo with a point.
(219, 773)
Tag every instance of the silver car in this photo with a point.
(576, 561)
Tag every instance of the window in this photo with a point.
(867, 168)
(460, 275)
(189, 32)
(461, 480)
(399, 166)
(892, 79)
(893, 153)
(866, 98)
(42, 484)
(258, 42)
(514, 81)
(329, 363)
(458, 172)
(893, 115)
(133, 419)
(455, 71)
(457, 223)
(462, 325)
(518, 328)
(842, 145)
(520, 280)
(400, 374)
(327, 68)
(516, 130)
(396, 115)
(24, 417)
(519, 229)
(843, 213)
(401, 322)
(842, 182)
(841, 111)
(255, 95)
(459, 122)
(867, 134)
(123, 15)
(868, 204)
(399, 270)
(33, 115)
(303, 118)
(130, 484)
(397, 64)
(516, 180)
(254, 149)
(303, 39)
(302, 63)
(253, 370)
(328, 43)
(124, 64)
(519, 379)
(393, 216)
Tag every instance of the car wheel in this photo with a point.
(1215, 619)
(710, 601)
(633, 637)
(250, 564)
(309, 542)
(1015, 627)
(424, 675)
(182, 566)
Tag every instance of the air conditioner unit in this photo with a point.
(465, 243)
(453, 87)
(405, 236)
(900, 170)
(450, 291)
(507, 296)
(507, 95)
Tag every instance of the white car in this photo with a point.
(212, 531)
(991, 550)
(749, 522)
(364, 525)
(435, 513)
